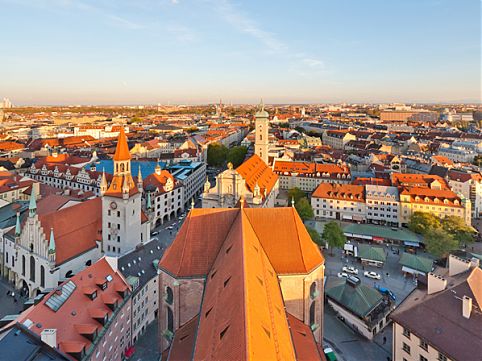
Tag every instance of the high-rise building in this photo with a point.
(261, 128)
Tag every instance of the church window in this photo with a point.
(42, 276)
(312, 313)
(170, 320)
(169, 295)
(32, 269)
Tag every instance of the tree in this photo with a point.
(439, 242)
(456, 227)
(423, 222)
(217, 154)
(236, 155)
(315, 236)
(303, 207)
(296, 194)
(333, 235)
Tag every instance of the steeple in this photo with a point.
(17, 225)
(207, 185)
(139, 179)
(261, 144)
(32, 208)
(51, 251)
(103, 183)
(122, 150)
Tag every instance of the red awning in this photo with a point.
(378, 239)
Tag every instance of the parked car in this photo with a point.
(343, 274)
(386, 291)
(330, 354)
(155, 233)
(373, 275)
(350, 269)
(170, 228)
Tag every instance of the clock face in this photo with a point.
(113, 205)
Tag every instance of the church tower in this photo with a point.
(121, 205)
(261, 129)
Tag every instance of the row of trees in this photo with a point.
(441, 235)
(219, 154)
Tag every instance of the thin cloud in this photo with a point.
(181, 32)
(240, 21)
(124, 23)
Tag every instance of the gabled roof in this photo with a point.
(280, 231)
(256, 171)
(242, 315)
(78, 313)
(76, 228)
(415, 262)
(359, 299)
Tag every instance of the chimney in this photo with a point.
(435, 283)
(466, 306)
(49, 336)
(457, 265)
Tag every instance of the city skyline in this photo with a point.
(63, 52)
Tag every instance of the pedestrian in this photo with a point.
(384, 340)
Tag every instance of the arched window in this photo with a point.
(312, 313)
(23, 265)
(69, 274)
(122, 167)
(32, 269)
(169, 295)
(88, 263)
(313, 290)
(42, 276)
(170, 319)
(31, 247)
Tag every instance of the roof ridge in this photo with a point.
(293, 210)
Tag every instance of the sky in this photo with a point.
(199, 51)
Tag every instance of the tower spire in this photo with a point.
(122, 149)
(51, 251)
(32, 207)
(103, 183)
(139, 179)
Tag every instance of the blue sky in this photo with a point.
(197, 51)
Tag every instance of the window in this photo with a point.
(170, 320)
(312, 313)
(23, 265)
(32, 269)
(441, 357)
(406, 333)
(423, 358)
(42, 276)
(169, 295)
(424, 345)
(406, 348)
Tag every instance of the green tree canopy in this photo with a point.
(456, 227)
(439, 242)
(236, 155)
(315, 236)
(296, 194)
(423, 222)
(333, 235)
(217, 154)
(304, 209)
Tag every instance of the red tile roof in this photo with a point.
(311, 169)
(79, 314)
(256, 171)
(348, 192)
(76, 228)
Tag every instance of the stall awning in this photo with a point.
(411, 244)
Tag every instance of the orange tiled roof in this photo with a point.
(115, 187)
(122, 149)
(417, 180)
(242, 315)
(311, 169)
(432, 196)
(158, 180)
(77, 315)
(348, 192)
(280, 231)
(442, 160)
(76, 228)
(255, 171)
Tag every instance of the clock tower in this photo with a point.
(122, 228)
